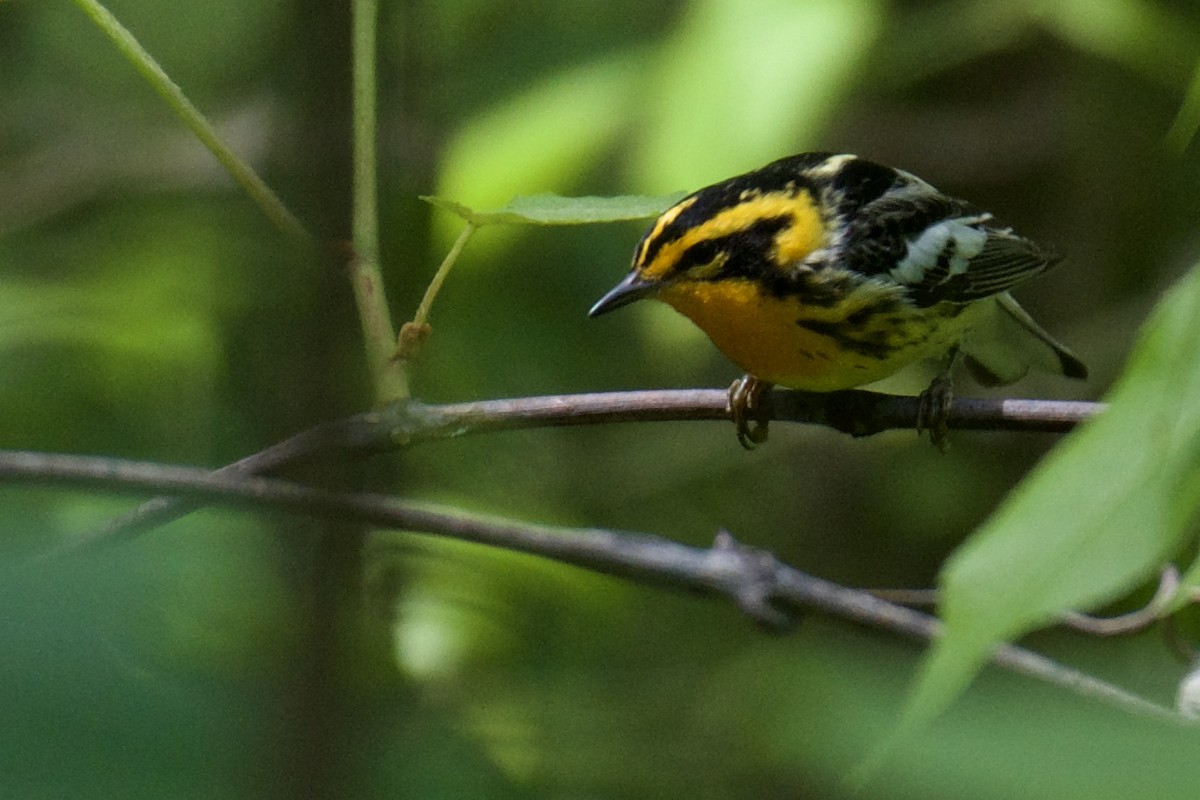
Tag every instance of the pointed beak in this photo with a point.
(633, 287)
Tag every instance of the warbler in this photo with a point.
(825, 272)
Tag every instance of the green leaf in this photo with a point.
(1099, 516)
(550, 209)
(1187, 119)
(543, 138)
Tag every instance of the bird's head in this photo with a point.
(748, 229)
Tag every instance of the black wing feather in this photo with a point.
(1005, 261)
(879, 237)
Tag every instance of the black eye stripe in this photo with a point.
(748, 250)
(701, 253)
(696, 214)
(785, 175)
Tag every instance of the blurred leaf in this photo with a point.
(1097, 517)
(551, 209)
(462, 607)
(1187, 120)
(743, 83)
(958, 32)
(203, 46)
(1143, 36)
(132, 342)
(1189, 587)
(541, 139)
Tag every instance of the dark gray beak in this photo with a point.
(634, 287)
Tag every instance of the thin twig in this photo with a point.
(356, 434)
(1132, 622)
(755, 580)
(196, 122)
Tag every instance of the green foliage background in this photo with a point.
(149, 310)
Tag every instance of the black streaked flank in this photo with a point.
(860, 318)
(822, 288)
(876, 345)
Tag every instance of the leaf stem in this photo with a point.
(421, 317)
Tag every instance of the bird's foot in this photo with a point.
(933, 410)
(748, 404)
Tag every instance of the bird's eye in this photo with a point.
(702, 261)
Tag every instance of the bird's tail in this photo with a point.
(1008, 342)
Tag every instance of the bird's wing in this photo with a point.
(938, 247)
(960, 260)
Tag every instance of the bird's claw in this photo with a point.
(933, 410)
(747, 404)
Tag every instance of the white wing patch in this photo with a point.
(956, 238)
(830, 166)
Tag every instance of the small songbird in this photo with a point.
(824, 272)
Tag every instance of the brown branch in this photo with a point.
(358, 433)
(856, 412)
(766, 589)
(400, 425)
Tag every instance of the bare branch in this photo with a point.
(355, 434)
(856, 412)
(765, 588)
(400, 425)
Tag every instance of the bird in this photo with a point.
(823, 271)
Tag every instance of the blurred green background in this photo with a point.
(149, 310)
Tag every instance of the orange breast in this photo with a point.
(761, 335)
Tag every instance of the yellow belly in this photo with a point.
(766, 336)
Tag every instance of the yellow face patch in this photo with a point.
(807, 233)
(804, 233)
(668, 216)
